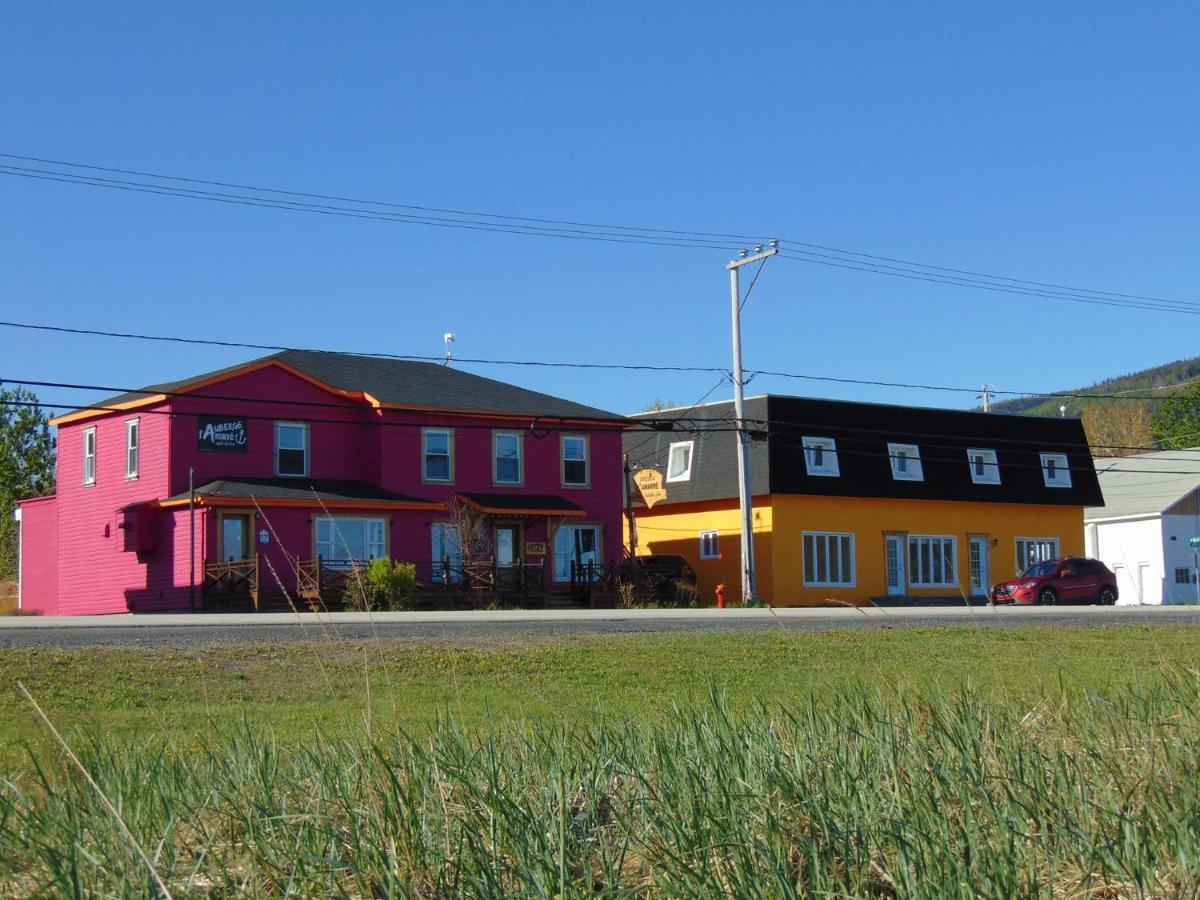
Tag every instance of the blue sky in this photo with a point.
(1055, 142)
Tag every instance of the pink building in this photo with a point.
(303, 456)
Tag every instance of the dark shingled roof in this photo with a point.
(329, 490)
(548, 503)
(402, 382)
(862, 432)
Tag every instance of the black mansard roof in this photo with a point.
(862, 432)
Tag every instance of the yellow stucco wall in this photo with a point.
(781, 520)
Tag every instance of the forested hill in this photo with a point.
(1171, 373)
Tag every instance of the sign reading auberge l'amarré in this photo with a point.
(221, 434)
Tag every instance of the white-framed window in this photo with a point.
(506, 457)
(437, 455)
(679, 461)
(291, 448)
(931, 560)
(906, 462)
(575, 543)
(132, 442)
(89, 455)
(820, 456)
(574, 460)
(708, 545)
(1031, 550)
(985, 469)
(828, 559)
(1056, 471)
(446, 547)
(342, 541)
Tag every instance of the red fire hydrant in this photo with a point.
(720, 592)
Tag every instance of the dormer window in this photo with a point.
(984, 467)
(679, 461)
(1056, 472)
(906, 462)
(820, 456)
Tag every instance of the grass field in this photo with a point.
(932, 763)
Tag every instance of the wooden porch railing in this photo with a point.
(588, 578)
(234, 579)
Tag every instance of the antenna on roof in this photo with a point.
(448, 339)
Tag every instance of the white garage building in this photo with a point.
(1142, 533)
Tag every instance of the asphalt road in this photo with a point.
(469, 627)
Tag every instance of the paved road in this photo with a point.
(185, 630)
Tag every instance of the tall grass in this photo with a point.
(881, 794)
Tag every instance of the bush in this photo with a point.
(687, 593)
(385, 585)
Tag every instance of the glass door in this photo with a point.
(894, 551)
(979, 566)
(234, 537)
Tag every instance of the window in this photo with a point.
(1055, 470)
(906, 462)
(828, 560)
(1184, 576)
(446, 548)
(507, 453)
(984, 467)
(679, 462)
(89, 455)
(291, 448)
(820, 456)
(439, 460)
(578, 544)
(1035, 550)
(131, 448)
(343, 541)
(931, 560)
(575, 460)
(708, 545)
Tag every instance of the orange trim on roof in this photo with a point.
(217, 500)
(81, 414)
(507, 511)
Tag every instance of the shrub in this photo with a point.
(385, 585)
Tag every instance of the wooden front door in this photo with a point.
(233, 537)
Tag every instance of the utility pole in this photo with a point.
(633, 540)
(987, 398)
(745, 494)
(192, 533)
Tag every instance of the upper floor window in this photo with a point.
(679, 462)
(89, 455)
(507, 457)
(820, 456)
(132, 438)
(575, 460)
(1055, 470)
(439, 455)
(708, 545)
(291, 448)
(906, 462)
(984, 467)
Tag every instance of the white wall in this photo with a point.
(1178, 555)
(1132, 549)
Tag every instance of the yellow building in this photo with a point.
(855, 502)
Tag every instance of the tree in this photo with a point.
(1114, 428)
(1176, 423)
(26, 465)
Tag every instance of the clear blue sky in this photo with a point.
(1056, 142)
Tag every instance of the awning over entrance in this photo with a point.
(334, 493)
(522, 505)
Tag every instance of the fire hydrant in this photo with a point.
(720, 592)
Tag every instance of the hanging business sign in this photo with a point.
(650, 483)
(221, 434)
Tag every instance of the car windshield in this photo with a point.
(1042, 569)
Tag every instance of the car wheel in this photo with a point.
(1047, 597)
(1107, 596)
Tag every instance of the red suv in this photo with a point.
(1070, 580)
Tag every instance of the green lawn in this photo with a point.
(298, 689)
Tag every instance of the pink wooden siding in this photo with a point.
(39, 555)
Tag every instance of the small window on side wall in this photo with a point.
(132, 440)
(679, 462)
(1056, 471)
(708, 545)
(89, 455)
(291, 448)
(820, 456)
(906, 462)
(984, 467)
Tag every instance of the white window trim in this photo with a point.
(425, 432)
(553, 548)
(307, 444)
(89, 433)
(716, 543)
(991, 466)
(853, 582)
(342, 518)
(912, 573)
(587, 461)
(1022, 565)
(829, 464)
(913, 470)
(520, 459)
(133, 427)
(1062, 467)
(686, 474)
